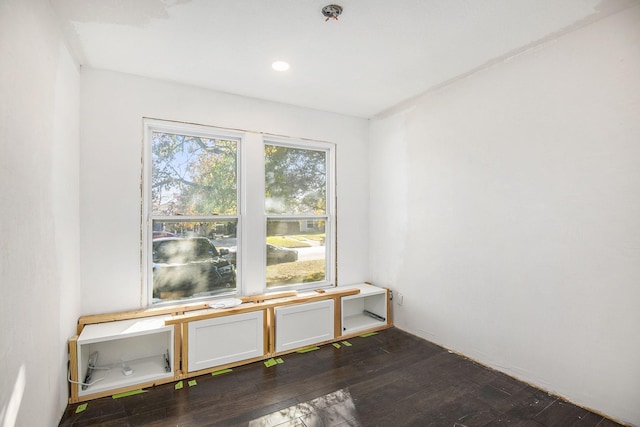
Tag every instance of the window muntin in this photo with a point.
(299, 214)
(192, 212)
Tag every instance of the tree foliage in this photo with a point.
(295, 180)
(196, 176)
(193, 175)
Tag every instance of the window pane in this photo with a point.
(193, 259)
(295, 181)
(193, 175)
(296, 252)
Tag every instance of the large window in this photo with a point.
(192, 212)
(299, 214)
(205, 232)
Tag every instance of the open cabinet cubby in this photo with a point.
(106, 350)
(366, 310)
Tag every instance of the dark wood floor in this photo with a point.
(388, 379)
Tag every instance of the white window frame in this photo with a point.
(329, 217)
(251, 226)
(156, 125)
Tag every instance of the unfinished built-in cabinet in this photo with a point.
(118, 352)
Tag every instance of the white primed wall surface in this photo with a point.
(39, 213)
(518, 190)
(113, 106)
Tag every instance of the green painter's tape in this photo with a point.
(336, 345)
(193, 383)
(221, 371)
(308, 349)
(81, 408)
(269, 363)
(279, 360)
(368, 335)
(178, 385)
(346, 343)
(128, 393)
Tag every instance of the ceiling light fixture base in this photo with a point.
(332, 11)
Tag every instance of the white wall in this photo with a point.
(113, 106)
(506, 210)
(39, 213)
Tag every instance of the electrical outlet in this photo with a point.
(399, 298)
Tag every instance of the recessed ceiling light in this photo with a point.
(280, 66)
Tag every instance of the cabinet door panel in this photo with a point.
(221, 340)
(303, 325)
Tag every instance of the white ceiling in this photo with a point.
(378, 54)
